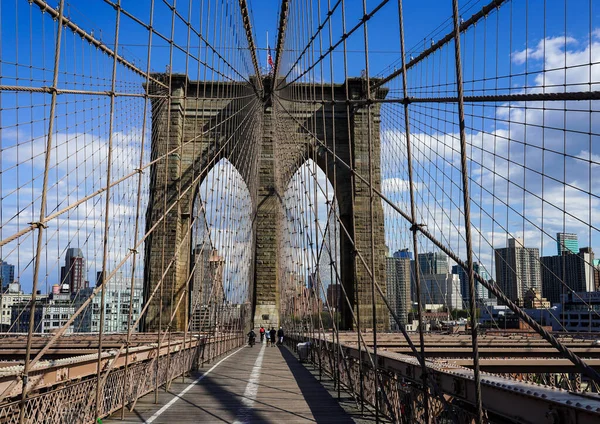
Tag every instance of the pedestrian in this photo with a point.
(280, 336)
(262, 333)
(251, 337)
(273, 335)
(268, 336)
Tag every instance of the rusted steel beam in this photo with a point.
(458, 340)
(529, 403)
(73, 344)
(524, 365)
(497, 352)
(46, 374)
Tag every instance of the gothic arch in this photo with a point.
(192, 123)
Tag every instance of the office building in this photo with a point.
(567, 272)
(566, 243)
(117, 300)
(433, 263)
(73, 272)
(517, 269)
(398, 288)
(12, 296)
(596, 274)
(579, 312)
(428, 263)
(7, 275)
(442, 289)
(501, 317)
(403, 254)
(51, 313)
(481, 292)
(534, 300)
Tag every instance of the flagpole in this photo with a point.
(268, 52)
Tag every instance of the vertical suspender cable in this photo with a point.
(107, 215)
(413, 215)
(467, 211)
(40, 224)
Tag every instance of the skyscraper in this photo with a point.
(403, 253)
(517, 269)
(566, 243)
(433, 263)
(568, 272)
(7, 274)
(442, 289)
(398, 288)
(73, 273)
(481, 292)
(117, 299)
(596, 269)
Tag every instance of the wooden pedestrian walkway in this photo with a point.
(250, 385)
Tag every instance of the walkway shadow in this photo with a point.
(229, 400)
(323, 406)
(205, 407)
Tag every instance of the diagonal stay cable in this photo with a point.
(360, 23)
(568, 353)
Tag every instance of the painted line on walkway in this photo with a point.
(187, 389)
(251, 389)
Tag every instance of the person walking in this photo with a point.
(280, 336)
(251, 338)
(262, 333)
(268, 336)
(273, 335)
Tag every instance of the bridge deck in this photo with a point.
(258, 385)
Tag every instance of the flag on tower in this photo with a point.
(270, 59)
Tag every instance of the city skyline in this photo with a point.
(581, 273)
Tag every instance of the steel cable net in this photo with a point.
(461, 185)
(149, 170)
(128, 167)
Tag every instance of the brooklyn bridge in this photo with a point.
(396, 201)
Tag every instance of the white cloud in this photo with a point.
(545, 49)
(519, 153)
(78, 168)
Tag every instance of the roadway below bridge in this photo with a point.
(498, 352)
(13, 346)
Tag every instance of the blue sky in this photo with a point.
(522, 22)
(523, 46)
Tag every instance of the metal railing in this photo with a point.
(72, 400)
(401, 397)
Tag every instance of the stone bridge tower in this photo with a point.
(178, 126)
